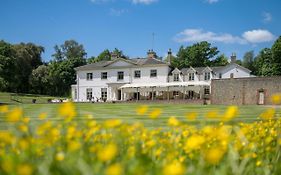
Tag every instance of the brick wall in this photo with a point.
(244, 91)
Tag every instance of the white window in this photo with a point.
(137, 73)
(104, 75)
(153, 73)
(191, 76)
(207, 76)
(176, 77)
(104, 93)
(89, 76)
(120, 76)
(89, 92)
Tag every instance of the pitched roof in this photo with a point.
(134, 62)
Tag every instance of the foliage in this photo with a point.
(197, 55)
(221, 60)
(39, 80)
(248, 61)
(263, 63)
(74, 146)
(276, 56)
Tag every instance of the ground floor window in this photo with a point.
(89, 92)
(175, 93)
(75, 93)
(206, 91)
(104, 93)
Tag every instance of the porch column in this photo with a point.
(121, 94)
(168, 93)
(152, 95)
(138, 94)
(183, 93)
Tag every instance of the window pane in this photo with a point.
(153, 73)
(137, 74)
(89, 76)
(120, 75)
(104, 75)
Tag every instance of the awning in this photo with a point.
(163, 85)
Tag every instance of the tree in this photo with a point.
(263, 63)
(221, 60)
(276, 56)
(61, 70)
(103, 56)
(27, 58)
(197, 55)
(7, 66)
(39, 80)
(248, 61)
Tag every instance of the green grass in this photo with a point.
(127, 112)
(13, 98)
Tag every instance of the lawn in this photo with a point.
(127, 112)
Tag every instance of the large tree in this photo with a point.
(248, 61)
(221, 60)
(263, 63)
(197, 55)
(39, 80)
(27, 58)
(276, 56)
(62, 74)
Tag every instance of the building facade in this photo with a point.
(147, 79)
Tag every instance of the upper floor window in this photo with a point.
(176, 77)
(191, 76)
(137, 73)
(207, 76)
(153, 73)
(104, 75)
(89, 76)
(120, 76)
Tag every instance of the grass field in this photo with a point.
(14, 98)
(127, 112)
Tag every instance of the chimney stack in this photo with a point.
(233, 58)
(169, 59)
(151, 54)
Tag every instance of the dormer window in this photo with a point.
(207, 76)
(191, 76)
(176, 77)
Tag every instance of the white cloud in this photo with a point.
(258, 36)
(197, 35)
(117, 12)
(146, 2)
(267, 17)
(212, 1)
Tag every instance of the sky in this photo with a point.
(234, 26)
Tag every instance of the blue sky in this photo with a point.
(231, 25)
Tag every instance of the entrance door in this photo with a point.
(190, 94)
(119, 95)
(136, 95)
(261, 98)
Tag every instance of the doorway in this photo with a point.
(119, 95)
(261, 97)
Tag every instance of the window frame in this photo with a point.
(153, 73)
(104, 77)
(207, 76)
(207, 91)
(104, 93)
(89, 76)
(176, 77)
(139, 74)
(191, 76)
(176, 93)
(120, 75)
(89, 93)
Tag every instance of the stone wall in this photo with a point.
(244, 91)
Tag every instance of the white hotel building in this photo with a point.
(147, 79)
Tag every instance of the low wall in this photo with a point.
(244, 91)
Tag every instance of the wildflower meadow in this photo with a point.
(113, 147)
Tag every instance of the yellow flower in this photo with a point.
(23, 128)
(7, 165)
(115, 169)
(112, 123)
(214, 155)
(73, 146)
(67, 110)
(194, 142)
(142, 110)
(173, 121)
(174, 168)
(14, 115)
(42, 116)
(155, 114)
(276, 99)
(230, 113)
(26, 120)
(258, 163)
(191, 116)
(107, 153)
(24, 169)
(6, 137)
(23, 144)
(59, 156)
(212, 114)
(268, 114)
(4, 109)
